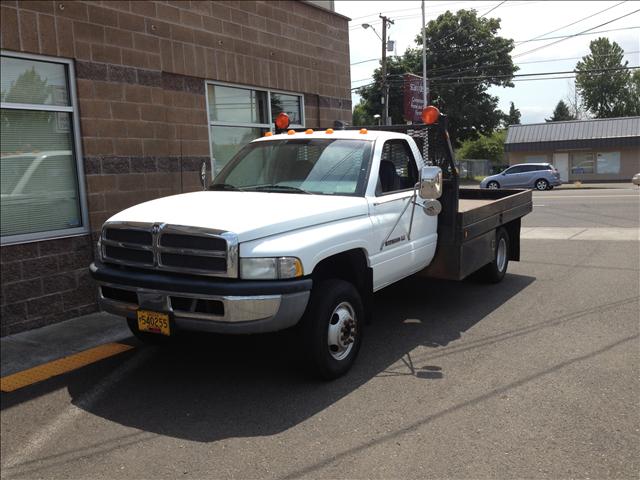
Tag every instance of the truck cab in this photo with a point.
(299, 230)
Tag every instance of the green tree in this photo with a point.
(513, 117)
(632, 104)
(561, 113)
(604, 90)
(490, 147)
(465, 57)
(361, 116)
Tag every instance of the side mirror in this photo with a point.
(203, 174)
(430, 183)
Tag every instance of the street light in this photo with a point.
(366, 25)
(377, 116)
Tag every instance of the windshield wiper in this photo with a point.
(279, 188)
(222, 186)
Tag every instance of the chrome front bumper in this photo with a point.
(250, 311)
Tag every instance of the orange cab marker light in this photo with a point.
(308, 131)
(282, 121)
(329, 130)
(364, 130)
(430, 115)
(267, 134)
(291, 132)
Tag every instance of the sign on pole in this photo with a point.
(413, 98)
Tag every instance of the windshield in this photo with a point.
(319, 166)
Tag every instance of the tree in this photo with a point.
(561, 113)
(513, 117)
(360, 115)
(601, 81)
(465, 57)
(632, 104)
(490, 147)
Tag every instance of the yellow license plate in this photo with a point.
(154, 322)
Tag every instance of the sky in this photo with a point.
(520, 20)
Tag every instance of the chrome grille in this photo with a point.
(170, 247)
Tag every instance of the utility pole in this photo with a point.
(425, 93)
(385, 83)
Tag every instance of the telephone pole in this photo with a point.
(425, 92)
(385, 83)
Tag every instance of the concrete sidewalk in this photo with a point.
(35, 347)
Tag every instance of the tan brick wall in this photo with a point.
(140, 71)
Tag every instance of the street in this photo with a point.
(535, 377)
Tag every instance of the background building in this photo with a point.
(108, 104)
(598, 150)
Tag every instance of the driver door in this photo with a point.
(403, 232)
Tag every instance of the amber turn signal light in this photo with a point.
(267, 134)
(364, 130)
(291, 132)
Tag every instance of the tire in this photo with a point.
(541, 184)
(495, 271)
(550, 187)
(153, 339)
(334, 312)
(493, 185)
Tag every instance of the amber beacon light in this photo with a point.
(430, 115)
(282, 121)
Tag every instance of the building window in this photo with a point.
(601, 163)
(239, 114)
(583, 162)
(608, 162)
(41, 180)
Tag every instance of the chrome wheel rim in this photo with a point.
(541, 185)
(342, 331)
(493, 185)
(501, 254)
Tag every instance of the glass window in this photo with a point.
(397, 168)
(583, 162)
(227, 141)
(608, 162)
(329, 167)
(516, 169)
(33, 82)
(289, 104)
(40, 188)
(239, 115)
(237, 105)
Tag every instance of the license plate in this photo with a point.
(154, 322)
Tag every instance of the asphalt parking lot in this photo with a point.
(535, 377)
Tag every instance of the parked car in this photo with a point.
(636, 179)
(541, 176)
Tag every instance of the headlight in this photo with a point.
(270, 268)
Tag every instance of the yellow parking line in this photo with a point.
(58, 367)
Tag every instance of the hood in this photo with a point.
(250, 215)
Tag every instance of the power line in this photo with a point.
(575, 35)
(456, 80)
(518, 63)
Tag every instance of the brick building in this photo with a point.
(107, 104)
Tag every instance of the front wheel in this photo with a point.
(332, 328)
(495, 271)
(493, 185)
(541, 184)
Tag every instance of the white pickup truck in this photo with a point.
(299, 230)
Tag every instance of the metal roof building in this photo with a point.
(587, 150)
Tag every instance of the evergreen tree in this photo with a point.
(513, 117)
(560, 113)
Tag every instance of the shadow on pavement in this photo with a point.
(213, 387)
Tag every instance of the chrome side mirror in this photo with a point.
(430, 183)
(203, 174)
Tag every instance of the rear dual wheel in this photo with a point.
(495, 271)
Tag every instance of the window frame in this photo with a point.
(267, 126)
(76, 145)
(410, 154)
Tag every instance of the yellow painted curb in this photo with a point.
(58, 367)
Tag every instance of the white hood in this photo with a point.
(250, 215)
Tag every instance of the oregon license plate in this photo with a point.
(154, 322)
